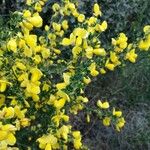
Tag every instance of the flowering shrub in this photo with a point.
(45, 69)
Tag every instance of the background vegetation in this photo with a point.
(129, 88)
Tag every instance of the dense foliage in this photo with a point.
(46, 66)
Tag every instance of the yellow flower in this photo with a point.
(77, 139)
(86, 80)
(76, 51)
(122, 38)
(118, 49)
(66, 42)
(94, 73)
(106, 121)
(3, 135)
(72, 38)
(55, 7)
(25, 30)
(61, 86)
(19, 113)
(65, 25)
(23, 77)
(38, 7)
(45, 53)
(99, 52)
(36, 21)
(46, 27)
(75, 108)
(61, 33)
(42, 2)
(96, 10)
(32, 88)
(131, 56)
(58, 117)
(63, 132)
(91, 30)
(117, 113)
(81, 18)
(82, 99)
(27, 51)
(89, 52)
(146, 29)
(56, 26)
(71, 6)
(20, 65)
(12, 45)
(13, 102)
(76, 134)
(66, 82)
(51, 99)
(92, 21)
(144, 45)
(81, 32)
(46, 87)
(102, 71)
(122, 41)
(57, 51)
(120, 123)
(25, 122)
(29, 2)
(104, 105)
(26, 13)
(9, 127)
(3, 86)
(27, 25)
(37, 59)
(31, 40)
(48, 142)
(59, 103)
(113, 42)
(8, 112)
(11, 140)
(62, 94)
(78, 41)
(2, 100)
(48, 147)
(85, 44)
(109, 65)
(92, 69)
(114, 58)
(103, 26)
(52, 36)
(75, 13)
(7, 134)
(123, 45)
(77, 144)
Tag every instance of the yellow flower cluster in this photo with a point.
(144, 44)
(114, 117)
(31, 86)
(3, 85)
(121, 43)
(36, 5)
(43, 74)
(7, 135)
(77, 139)
(7, 131)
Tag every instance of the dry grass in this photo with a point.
(129, 91)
